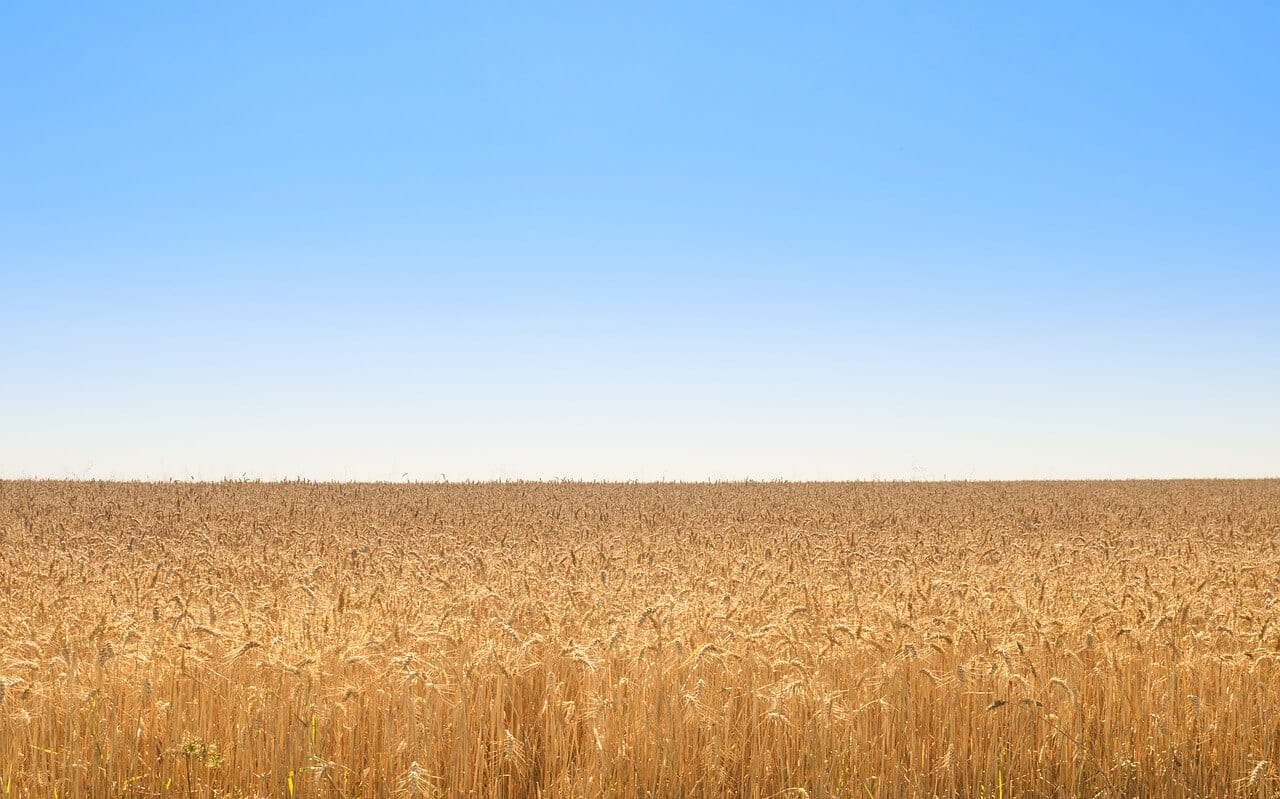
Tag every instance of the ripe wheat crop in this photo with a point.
(597, 640)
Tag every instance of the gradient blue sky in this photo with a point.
(660, 240)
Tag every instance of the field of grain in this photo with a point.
(592, 640)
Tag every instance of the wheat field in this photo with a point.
(244, 639)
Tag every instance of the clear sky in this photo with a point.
(640, 241)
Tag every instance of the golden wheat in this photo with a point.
(592, 640)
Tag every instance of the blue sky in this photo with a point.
(657, 241)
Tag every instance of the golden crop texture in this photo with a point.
(640, 640)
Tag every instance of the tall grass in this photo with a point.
(591, 640)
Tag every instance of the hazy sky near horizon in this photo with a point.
(659, 240)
